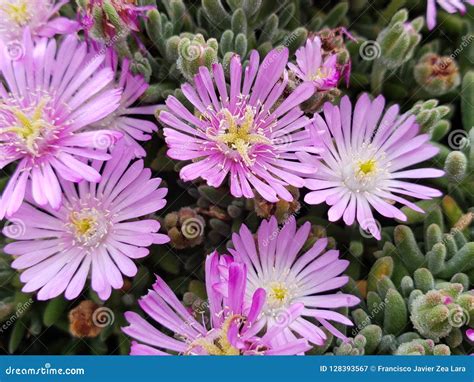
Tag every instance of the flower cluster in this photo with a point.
(266, 287)
(75, 186)
(255, 123)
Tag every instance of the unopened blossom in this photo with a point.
(51, 95)
(246, 133)
(97, 233)
(364, 162)
(232, 328)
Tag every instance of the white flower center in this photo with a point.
(278, 295)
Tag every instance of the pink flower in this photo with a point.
(242, 132)
(450, 6)
(52, 94)
(363, 161)
(470, 334)
(276, 264)
(310, 66)
(233, 327)
(124, 119)
(95, 233)
(39, 16)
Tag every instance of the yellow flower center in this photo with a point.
(18, 11)
(319, 75)
(88, 226)
(30, 129)
(239, 135)
(367, 167)
(277, 295)
(83, 226)
(218, 343)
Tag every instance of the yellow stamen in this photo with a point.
(239, 136)
(321, 73)
(18, 12)
(219, 345)
(83, 225)
(367, 167)
(29, 128)
(279, 293)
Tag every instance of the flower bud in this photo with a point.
(185, 228)
(398, 40)
(194, 52)
(456, 166)
(81, 323)
(437, 75)
(430, 118)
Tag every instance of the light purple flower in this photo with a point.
(95, 233)
(275, 263)
(124, 119)
(40, 16)
(242, 131)
(363, 161)
(450, 6)
(310, 66)
(233, 328)
(52, 93)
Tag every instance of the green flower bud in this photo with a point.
(422, 347)
(436, 313)
(456, 166)
(430, 118)
(195, 52)
(398, 41)
(141, 65)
